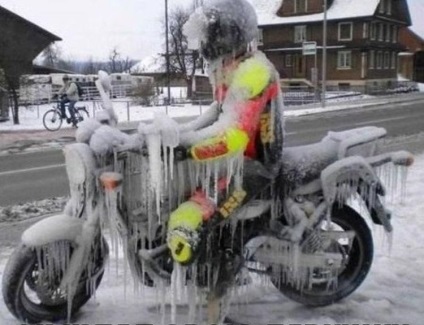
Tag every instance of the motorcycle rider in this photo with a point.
(246, 117)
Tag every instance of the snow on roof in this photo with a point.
(416, 9)
(340, 9)
(150, 64)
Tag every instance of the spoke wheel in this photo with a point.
(325, 289)
(52, 120)
(82, 114)
(33, 295)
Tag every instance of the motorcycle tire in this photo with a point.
(354, 272)
(22, 298)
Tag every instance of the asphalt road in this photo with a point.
(39, 175)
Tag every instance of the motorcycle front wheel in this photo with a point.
(359, 255)
(32, 299)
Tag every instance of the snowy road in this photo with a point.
(393, 293)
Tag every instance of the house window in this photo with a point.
(373, 33)
(345, 31)
(386, 60)
(344, 60)
(385, 7)
(300, 6)
(381, 7)
(395, 33)
(389, 7)
(372, 59)
(388, 33)
(289, 60)
(300, 34)
(394, 57)
(365, 30)
(379, 60)
(260, 36)
(380, 32)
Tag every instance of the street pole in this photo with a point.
(324, 56)
(167, 54)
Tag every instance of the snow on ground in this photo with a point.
(393, 292)
(31, 116)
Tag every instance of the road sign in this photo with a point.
(309, 48)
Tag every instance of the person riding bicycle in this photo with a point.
(246, 117)
(68, 94)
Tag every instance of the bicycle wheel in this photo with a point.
(82, 114)
(52, 120)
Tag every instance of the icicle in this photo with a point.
(192, 294)
(174, 298)
(155, 164)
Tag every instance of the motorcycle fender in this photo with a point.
(52, 229)
(356, 169)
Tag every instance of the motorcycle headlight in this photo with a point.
(80, 162)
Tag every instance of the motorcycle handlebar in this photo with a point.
(181, 153)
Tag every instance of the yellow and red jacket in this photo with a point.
(258, 127)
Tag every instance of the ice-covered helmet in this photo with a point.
(222, 27)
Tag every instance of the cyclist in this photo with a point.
(68, 94)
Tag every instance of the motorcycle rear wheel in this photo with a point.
(29, 303)
(354, 271)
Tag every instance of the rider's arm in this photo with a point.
(72, 90)
(61, 90)
(241, 114)
(203, 120)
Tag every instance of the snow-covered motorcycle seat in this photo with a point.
(303, 164)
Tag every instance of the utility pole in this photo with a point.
(168, 81)
(324, 57)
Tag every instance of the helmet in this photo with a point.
(65, 77)
(222, 27)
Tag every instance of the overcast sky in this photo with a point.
(94, 27)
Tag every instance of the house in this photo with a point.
(362, 39)
(20, 42)
(155, 66)
(411, 61)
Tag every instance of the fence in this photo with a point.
(294, 95)
(301, 95)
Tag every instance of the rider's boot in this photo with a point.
(184, 227)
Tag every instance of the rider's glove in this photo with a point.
(181, 153)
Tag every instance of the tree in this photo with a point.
(93, 67)
(51, 56)
(183, 62)
(117, 63)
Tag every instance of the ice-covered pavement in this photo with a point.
(393, 293)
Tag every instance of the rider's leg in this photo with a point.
(63, 101)
(71, 109)
(186, 222)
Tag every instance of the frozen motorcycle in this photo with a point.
(316, 249)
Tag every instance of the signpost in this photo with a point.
(310, 48)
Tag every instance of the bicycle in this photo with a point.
(52, 119)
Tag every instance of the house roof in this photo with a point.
(340, 9)
(151, 64)
(29, 24)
